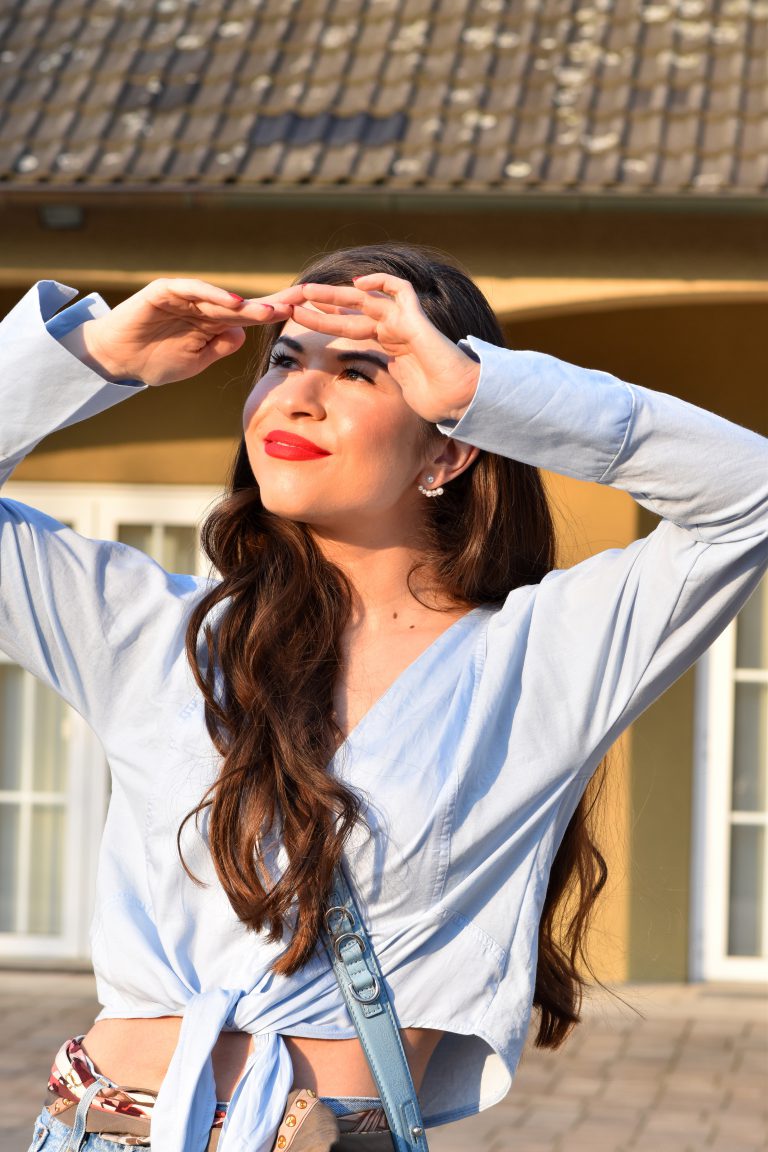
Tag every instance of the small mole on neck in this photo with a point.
(411, 625)
(394, 615)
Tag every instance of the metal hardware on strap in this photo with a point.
(361, 983)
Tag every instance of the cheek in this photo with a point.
(256, 399)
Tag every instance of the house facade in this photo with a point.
(612, 220)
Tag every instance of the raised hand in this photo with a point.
(438, 379)
(173, 329)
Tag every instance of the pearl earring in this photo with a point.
(430, 491)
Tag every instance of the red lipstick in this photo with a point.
(289, 446)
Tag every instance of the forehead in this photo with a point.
(320, 340)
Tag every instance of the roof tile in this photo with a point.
(488, 167)
(754, 136)
(188, 162)
(639, 171)
(564, 167)
(373, 165)
(753, 171)
(677, 171)
(682, 133)
(336, 162)
(646, 133)
(300, 161)
(612, 95)
(71, 164)
(601, 170)
(354, 99)
(713, 172)
(262, 162)
(152, 160)
(719, 136)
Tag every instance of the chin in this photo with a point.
(290, 506)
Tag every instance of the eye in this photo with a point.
(353, 373)
(279, 358)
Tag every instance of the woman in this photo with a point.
(389, 668)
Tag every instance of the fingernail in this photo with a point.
(269, 307)
(235, 296)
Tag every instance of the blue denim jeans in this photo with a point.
(51, 1135)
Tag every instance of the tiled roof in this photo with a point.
(557, 96)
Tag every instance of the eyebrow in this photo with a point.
(344, 357)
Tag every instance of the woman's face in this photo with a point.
(331, 440)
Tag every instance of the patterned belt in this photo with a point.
(133, 1129)
(371, 1125)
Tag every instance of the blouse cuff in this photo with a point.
(535, 408)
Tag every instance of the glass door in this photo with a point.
(730, 865)
(54, 784)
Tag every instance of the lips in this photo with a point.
(289, 446)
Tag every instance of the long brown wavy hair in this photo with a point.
(272, 719)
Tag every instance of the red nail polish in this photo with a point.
(235, 296)
(271, 307)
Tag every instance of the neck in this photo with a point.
(380, 581)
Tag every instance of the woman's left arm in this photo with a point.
(607, 636)
(683, 463)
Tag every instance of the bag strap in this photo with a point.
(362, 987)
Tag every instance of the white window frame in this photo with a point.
(716, 677)
(94, 510)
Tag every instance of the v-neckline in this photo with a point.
(409, 668)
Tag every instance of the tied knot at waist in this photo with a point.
(186, 1103)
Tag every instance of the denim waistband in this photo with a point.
(344, 1105)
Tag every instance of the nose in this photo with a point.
(301, 394)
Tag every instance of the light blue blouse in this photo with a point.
(472, 761)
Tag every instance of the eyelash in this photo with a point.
(280, 360)
(283, 360)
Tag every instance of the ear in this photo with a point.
(451, 459)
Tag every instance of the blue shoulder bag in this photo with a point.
(362, 986)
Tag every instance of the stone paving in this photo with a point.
(672, 1069)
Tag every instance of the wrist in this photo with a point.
(83, 343)
(466, 394)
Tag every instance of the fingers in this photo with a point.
(382, 282)
(270, 309)
(340, 296)
(193, 291)
(349, 324)
(194, 297)
(226, 342)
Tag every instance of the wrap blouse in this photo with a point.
(472, 762)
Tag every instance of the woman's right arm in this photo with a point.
(51, 580)
(69, 606)
(43, 387)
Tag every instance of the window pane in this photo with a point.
(752, 631)
(9, 862)
(49, 772)
(745, 905)
(750, 748)
(138, 536)
(172, 545)
(11, 690)
(47, 870)
(179, 548)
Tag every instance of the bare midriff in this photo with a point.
(136, 1054)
